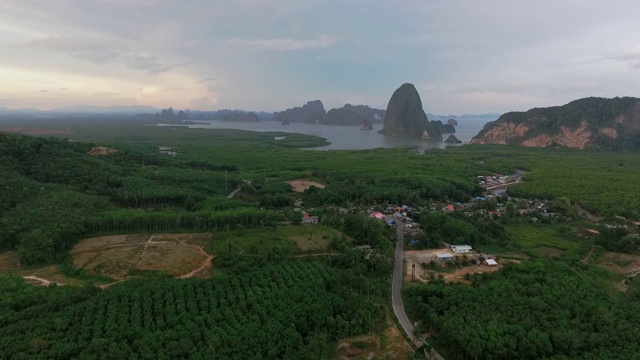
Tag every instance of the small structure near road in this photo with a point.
(491, 262)
(461, 249)
(444, 257)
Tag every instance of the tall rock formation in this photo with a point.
(312, 113)
(240, 116)
(370, 114)
(586, 123)
(406, 118)
(342, 117)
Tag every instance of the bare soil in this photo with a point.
(418, 257)
(102, 150)
(117, 255)
(387, 345)
(626, 264)
(39, 280)
(301, 185)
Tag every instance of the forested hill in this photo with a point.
(601, 123)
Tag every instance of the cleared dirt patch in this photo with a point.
(389, 344)
(116, 256)
(175, 259)
(419, 257)
(301, 185)
(102, 150)
(626, 264)
(91, 244)
(36, 131)
(115, 262)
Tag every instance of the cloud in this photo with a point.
(632, 59)
(210, 83)
(286, 44)
(98, 52)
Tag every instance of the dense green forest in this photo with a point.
(539, 309)
(288, 309)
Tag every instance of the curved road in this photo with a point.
(396, 292)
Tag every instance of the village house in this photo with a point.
(461, 249)
(444, 257)
(310, 219)
(448, 209)
(491, 262)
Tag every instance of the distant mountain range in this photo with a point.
(312, 112)
(82, 109)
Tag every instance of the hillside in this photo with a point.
(599, 123)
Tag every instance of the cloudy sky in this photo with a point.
(462, 56)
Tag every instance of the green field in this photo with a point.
(541, 238)
(280, 240)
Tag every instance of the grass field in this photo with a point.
(288, 239)
(545, 240)
(9, 262)
(510, 252)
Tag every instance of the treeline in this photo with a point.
(539, 309)
(369, 189)
(292, 309)
(456, 228)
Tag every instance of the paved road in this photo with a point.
(396, 292)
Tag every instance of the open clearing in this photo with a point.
(10, 264)
(292, 239)
(301, 185)
(49, 274)
(180, 255)
(626, 264)
(419, 257)
(545, 240)
(389, 344)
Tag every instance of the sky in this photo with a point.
(463, 56)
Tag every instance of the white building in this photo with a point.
(491, 262)
(461, 249)
(444, 257)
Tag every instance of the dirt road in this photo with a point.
(44, 282)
